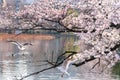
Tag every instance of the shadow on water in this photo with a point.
(12, 67)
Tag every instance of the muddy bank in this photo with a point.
(5, 36)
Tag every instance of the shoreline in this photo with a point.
(6, 36)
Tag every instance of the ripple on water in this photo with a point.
(57, 76)
(14, 62)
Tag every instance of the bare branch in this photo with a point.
(74, 29)
(81, 63)
(51, 63)
(95, 64)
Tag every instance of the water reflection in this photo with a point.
(19, 65)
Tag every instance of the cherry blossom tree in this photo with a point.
(6, 15)
(5, 20)
(96, 22)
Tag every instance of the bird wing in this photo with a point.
(64, 67)
(15, 42)
(63, 70)
(27, 44)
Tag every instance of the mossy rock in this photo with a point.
(69, 46)
(72, 11)
(116, 69)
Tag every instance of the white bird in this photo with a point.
(66, 64)
(19, 45)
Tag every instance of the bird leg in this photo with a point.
(62, 75)
(12, 54)
(23, 54)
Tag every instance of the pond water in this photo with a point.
(19, 65)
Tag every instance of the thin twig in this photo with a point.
(35, 73)
(53, 65)
(95, 64)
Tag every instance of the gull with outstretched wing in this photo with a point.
(64, 67)
(20, 46)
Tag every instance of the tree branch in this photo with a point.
(81, 63)
(76, 29)
(95, 64)
(116, 46)
(53, 65)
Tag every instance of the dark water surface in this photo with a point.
(13, 67)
